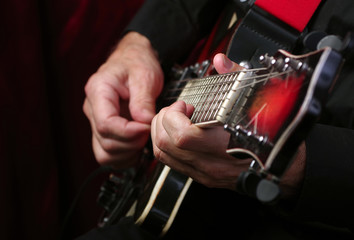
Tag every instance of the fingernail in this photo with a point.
(227, 62)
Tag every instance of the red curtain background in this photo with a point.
(48, 50)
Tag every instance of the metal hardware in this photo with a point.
(281, 64)
(247, 137)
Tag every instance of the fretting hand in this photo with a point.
(197, 152)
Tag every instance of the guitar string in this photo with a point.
(225, 88)
(203, 80)
(218, 102)
(205, 103)
(187, 96)
(228, 74)
(205, 109)
(211, 95)
(208, 97)
(208, 110)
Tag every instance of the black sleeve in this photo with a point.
(175, 26)
(328, 188)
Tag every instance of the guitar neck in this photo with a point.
(214, 97)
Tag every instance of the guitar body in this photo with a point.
(166, 189)
(268, 112)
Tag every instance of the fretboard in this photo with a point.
(213, 97)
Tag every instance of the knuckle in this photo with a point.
(89, 85)
(161, 142)
(158, 155)
(87, 88)
(181, 140)
(102, 128)
(102, 157)
(103, 160)
(85, 108)
(108, 146)
(211, 171)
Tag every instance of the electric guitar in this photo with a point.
(267, 110)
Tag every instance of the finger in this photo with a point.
(160, 141)
(223, 64)
(187, 136)
(102, 107)
(158, 134)
(114, 146)
(211, 173)
(144, 89)
(117, 160)
(212, 168)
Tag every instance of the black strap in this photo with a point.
(260, 33)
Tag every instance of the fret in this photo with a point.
(220, 96)
(209, 93)
(200, 100)
(226, 92)
(238, 94)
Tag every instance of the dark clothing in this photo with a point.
(324, 207)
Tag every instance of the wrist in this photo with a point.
(135, 40)
(291, 182)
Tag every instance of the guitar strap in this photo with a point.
(270, 25)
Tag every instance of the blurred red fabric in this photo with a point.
(48, 50)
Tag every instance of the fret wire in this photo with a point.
(197, 100)
(194, 98)
(207, 100)
(213, 89)
(218, 98)
(217, 85)
(225, 93)
(204, 98)
(208, 108)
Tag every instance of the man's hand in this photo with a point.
(120, 101)
(197, 152)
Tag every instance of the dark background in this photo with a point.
(48, 50)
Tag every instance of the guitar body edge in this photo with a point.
(160, 210)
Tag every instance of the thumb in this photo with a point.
(142, 104)
(181, 106)
(223, 64)
(143, 94)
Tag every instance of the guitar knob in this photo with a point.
(247, 183)
(108, 195)
(265, 60)
(267, 191)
